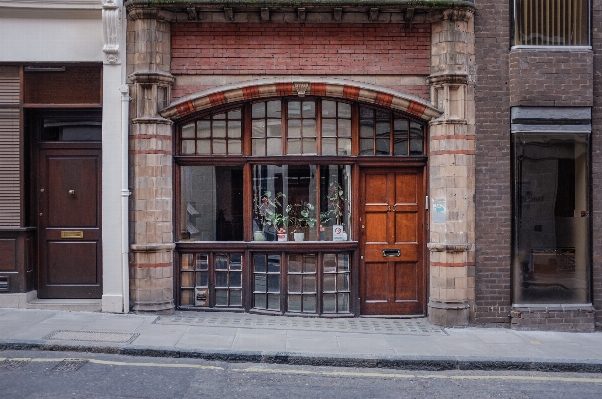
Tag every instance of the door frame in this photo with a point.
(363, 167)
(33, 119)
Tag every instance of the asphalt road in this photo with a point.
(59, 375)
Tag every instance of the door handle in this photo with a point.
(71, 192)
(396, 252)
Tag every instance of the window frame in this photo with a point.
(249, 247)
(514, 29)
(518, 275)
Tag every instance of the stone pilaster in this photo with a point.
(452, 170)
(151, 219)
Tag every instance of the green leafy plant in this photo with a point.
(336, 201)
(266, 210)
(300, 216)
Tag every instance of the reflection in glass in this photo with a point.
(335, 203)
(266, 287)
(551, 218)
(211, 203)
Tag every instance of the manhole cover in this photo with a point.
(70, 365)
(113, 337)
(12, 364)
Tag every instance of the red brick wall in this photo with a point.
(309, 49)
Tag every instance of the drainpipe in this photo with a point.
(125, 195)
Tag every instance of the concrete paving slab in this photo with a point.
(260, 340)
(590, 339)
(20, 320)
(120, 323)
(497, 336)
(567, 351)
(205, 341)
(465, 347)
(312, 345)
(373, 345)
(4, 310)
(414, 345)
(543, 337)
(517, 351)
(311, 334)
(164, 336)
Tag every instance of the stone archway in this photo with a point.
(335, 88)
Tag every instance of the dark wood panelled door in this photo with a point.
(69, 195)
(392, 270)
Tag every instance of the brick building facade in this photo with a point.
(240, 98)
(436, 158)
(531, 86)
(63, 193)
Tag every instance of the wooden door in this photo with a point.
(392, 270)
(69, 223)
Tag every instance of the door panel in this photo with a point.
(69, 222)
(79, 174)
(406, 288)
(63, 255)
(392, 268)
(375, 195)
(377, 282)
(374, 223)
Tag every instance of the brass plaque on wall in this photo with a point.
(72, 234)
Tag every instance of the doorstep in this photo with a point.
(29, 300)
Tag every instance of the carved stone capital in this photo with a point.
(151, 13)
(151, 77)
(446, 78)
(457, 15)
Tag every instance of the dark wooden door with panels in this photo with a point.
(67, 200)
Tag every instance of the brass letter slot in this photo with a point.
(72, 234)
(391, 252)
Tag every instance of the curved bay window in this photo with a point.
(265, 201)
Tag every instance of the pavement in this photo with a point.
(356, 342)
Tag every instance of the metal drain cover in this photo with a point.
(70, 365)
(10, 364)
(96, 336)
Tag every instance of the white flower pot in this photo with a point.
(299, 236)
(258, 236)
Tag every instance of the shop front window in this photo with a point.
(265, 203)
(301, 202)
(211, 203)
(551, 263)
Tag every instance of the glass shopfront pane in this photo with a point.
(551, 262)
(284, 201)
(335, 204)
(211, 203)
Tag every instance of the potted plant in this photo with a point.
(336, 201)
(267, 216)
(300, 217)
